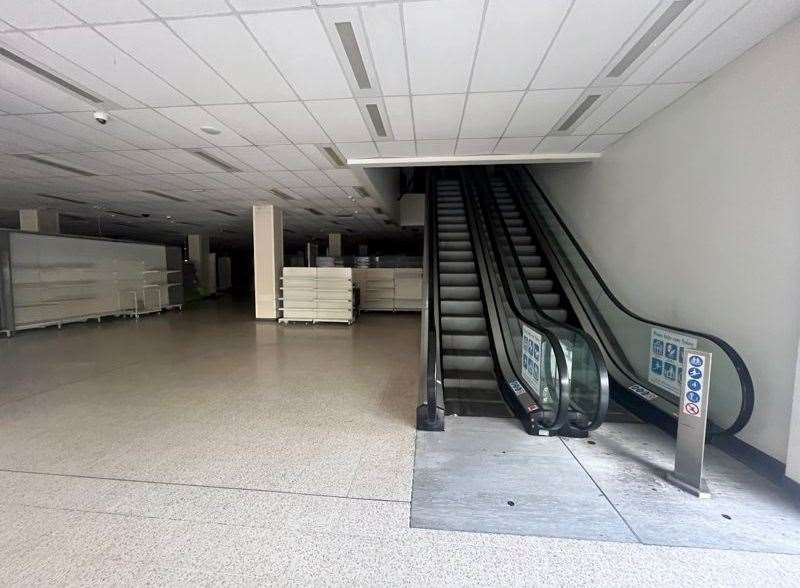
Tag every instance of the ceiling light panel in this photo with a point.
(748, 26)
(194, 117)
(605, 108)
(487, 115)
(590, 36)
(163, 195)
(340, 119)
(697, 25)
(23, 82)
(539, 111)
(294, 121)
(54, 164)
(384, 31)
(645, 105)
(444, 65)
(376, 117)
(91, 51)
(214, 161)
(332, 154)
(438, 116)
(159, 49)
(300, 48)
(520, 28)
(235, 55)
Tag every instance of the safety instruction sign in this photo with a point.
(695, 383)
(667, 356)
(532, 358)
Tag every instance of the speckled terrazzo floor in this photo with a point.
(207, 448)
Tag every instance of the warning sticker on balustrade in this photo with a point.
(532, 358)
(667, 356)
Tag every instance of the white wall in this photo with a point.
(729, 151)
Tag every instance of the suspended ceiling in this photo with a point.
(284, 82)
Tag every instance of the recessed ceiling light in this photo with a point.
(197, 190)
(210, 130)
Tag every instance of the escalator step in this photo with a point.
(526, 249)
(456, 267)
(540, 285)
(459, 293)
(463, 324)
(453, 236)
(559, 315)
(466, 279)
(452, 255)
(455, 246)
(550, 301)
(530, 260)
(465, 340)
(464, 359)
(487, 408)
(461, 307)
(521, 239)
(535, 273)
(471, 379)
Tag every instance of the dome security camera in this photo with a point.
(101, 117)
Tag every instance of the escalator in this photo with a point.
(503, 276)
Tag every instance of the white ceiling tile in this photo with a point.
(314, 177)
(315, 155)
(436, 147)
(513, 145)
(516, 35)
(742, 31)
(256, 5)
(12, 142)
(254, 157)
(169, 8)
(559, 144)
(120, 160)
(597, 143)
(437, 117)
(475, 146)
(161, 127)
(225, 44)
(398, 109)
(294, 121)
(644, 106)
(384, 29)
(707, 18)
(248, 122)
(155, 161)
(441, 36)
(28, 128)
(155, 46)
(488, 115)
(35, 89)
(37, 52)
(297, 43)
(95, 12)
(343, 177)
(12, 104)
(94, 136)
(590, 36)
(194, 117)
(397, 148)
(340, 119)
(89, 50)
(289, 157)
(607, 108)
(35, 14)
(540, 110)
(287, 178)
(358, 150)
(121, 129)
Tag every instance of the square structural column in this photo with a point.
(267, 259)
(39, 220)
(198, 255)
(334, 244)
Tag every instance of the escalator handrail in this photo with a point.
(594, 348)
(563, 392)
(745, 379)
(436, 392)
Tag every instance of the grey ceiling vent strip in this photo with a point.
(578, 112)
(121, 224)
(72, 217)
(229, 232)
(377, 121)
(225, 212)
(51, 77)
(282, 195)
(334, 156)
(362, 192)
(120, 213)
(61, 198)
(350, 44)
(214, 160)
(61, 166)
(670, 14)
(188, 224)
(162, 195)
(314, 211)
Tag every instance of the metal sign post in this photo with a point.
(692, 419)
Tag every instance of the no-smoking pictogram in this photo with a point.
(692, 408)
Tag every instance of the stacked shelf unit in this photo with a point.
(398, 289)
(316, 295)
(51, 280)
